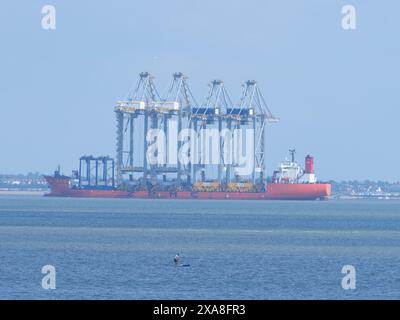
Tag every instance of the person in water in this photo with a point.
(177, 259)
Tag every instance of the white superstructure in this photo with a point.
(289, 171)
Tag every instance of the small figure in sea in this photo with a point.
(177, 258)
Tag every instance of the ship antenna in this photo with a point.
(292, 152)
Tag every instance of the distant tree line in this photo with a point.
(367, 186)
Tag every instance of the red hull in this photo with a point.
(60, 188)
(299, 191)
(81, 193)
(275, 191)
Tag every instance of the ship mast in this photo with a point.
(292, 152)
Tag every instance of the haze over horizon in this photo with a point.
(335, 91)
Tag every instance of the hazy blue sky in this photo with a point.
(336, 91)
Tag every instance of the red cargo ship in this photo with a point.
(289, 182)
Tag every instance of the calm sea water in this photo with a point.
(123, 249)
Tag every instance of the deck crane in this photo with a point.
(130, 111)
(209, 115)
(253, 111)
(175, 105)
(145, 109)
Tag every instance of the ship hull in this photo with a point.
(80, 193)
(59, 187)
(275, 191)
(300, 191)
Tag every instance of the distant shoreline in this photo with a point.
(21, 193)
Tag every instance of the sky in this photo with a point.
(335, 91)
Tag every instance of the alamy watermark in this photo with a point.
(49, 280)
(349, 19)
(49, 17)
(208, 146)
(349, 280)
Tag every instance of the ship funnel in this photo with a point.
(309, 164)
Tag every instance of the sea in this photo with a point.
(124, 249)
